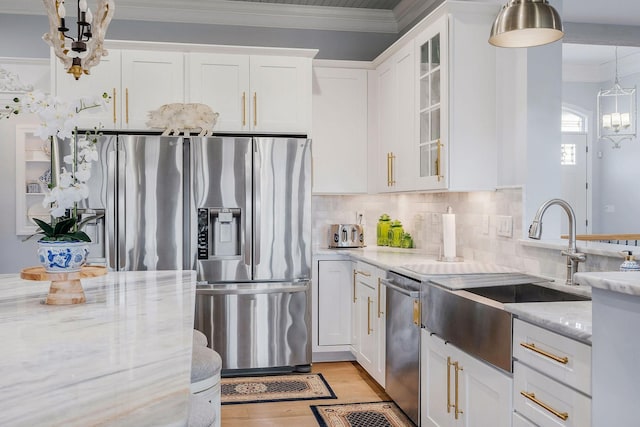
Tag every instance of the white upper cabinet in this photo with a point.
(430, 151)
(395, 120)
(138, 81)
(104, 78)
(437, 120)
(253, 92)
(281, 94)
(339, 130)
(222, 82)
(150, 79)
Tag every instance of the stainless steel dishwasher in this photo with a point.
(402, 368)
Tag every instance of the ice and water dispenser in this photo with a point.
(219, 232)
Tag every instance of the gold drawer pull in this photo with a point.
(532, 397)
(456, 408)
(532, 347)
(380, 312)
(369, 328)
(416, 312)
(449, 405)
(354, 285)
(364, 273)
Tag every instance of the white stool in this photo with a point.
(200, 413)
(206, 365)
(199, 338)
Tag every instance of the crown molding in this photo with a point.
(407, 11)
(251, 14)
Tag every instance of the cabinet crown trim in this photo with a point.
(210, 48)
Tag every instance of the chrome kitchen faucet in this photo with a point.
(573, 256)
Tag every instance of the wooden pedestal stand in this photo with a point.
(65, 287)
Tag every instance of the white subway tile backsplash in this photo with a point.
(421, 215)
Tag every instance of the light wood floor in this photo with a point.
(348, 380)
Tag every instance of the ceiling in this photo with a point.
(385, 16)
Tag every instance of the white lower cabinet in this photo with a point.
(551, 377)
(369, 320)
(334, 302)
(520, 421)
(457, 389)
(547, 402)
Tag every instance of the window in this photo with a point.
(572, 122)
(568, 154)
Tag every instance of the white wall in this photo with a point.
(15, 253)
(615, 170)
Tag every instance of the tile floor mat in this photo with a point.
(274, 388)
(371, 414)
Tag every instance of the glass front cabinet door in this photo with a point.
(432, 153)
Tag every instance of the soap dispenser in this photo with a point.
(629, 263)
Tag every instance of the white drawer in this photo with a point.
(548, 400)
(561, 358)
(367, 274)
(520, 421)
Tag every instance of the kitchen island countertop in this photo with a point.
(123, 358)
(569, 318)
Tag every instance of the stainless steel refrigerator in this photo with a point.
(139, 184)
(251, 204)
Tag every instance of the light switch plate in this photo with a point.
(485, 224)
(504, 225)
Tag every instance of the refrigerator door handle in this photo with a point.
(121, 209)
(253, 288)
(110, 216)
(247, 226)
(257, 166)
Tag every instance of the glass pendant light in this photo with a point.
(526, 23)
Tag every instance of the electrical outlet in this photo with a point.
(485, 224)
(504, 225)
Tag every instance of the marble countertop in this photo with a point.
(123, 358)
(625, 282)
(570, 318)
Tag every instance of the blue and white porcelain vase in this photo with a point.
(62, 257)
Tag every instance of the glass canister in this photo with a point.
(407, 241)
(382, 230)
(395, 234)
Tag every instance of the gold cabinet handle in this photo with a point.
(380, 312)
(364, 273)
(449, 364)
(369, 328)
(416, 312)
(126, 103)
(391, 176)
(114, 105)
(244, 109)
(457, 410)
(388, 169)
(532, 397)
(532, 347)
(439, 161)
(354, 285)
(255, 108)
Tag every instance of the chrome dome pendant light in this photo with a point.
(526, 23)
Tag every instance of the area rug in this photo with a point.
(275, 388)
(371, 414)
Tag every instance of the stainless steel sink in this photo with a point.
(528, 292)
(474, 318)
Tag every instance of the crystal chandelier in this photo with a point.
(78, 54)
(617, 112)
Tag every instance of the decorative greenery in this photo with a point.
(63, 230)
(59, 119)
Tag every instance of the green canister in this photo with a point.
(407, 241)
(395, 234)
(384, 223)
